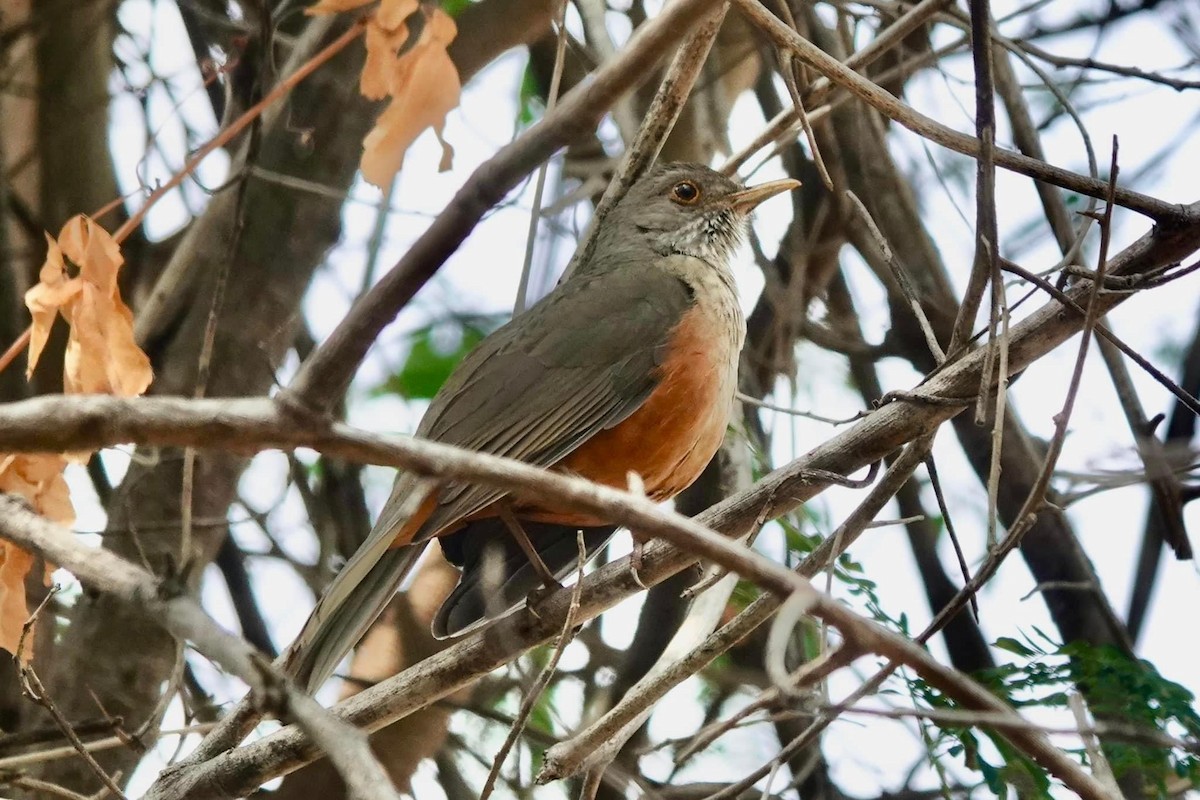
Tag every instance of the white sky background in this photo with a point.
(867, 755)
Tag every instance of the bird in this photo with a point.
(628, 365)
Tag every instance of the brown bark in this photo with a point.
(74, 61)
(273, 240)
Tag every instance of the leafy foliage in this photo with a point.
(455, 7)
(530, 104)
(1120, 690)
(436, 350)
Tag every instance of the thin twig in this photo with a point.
(1179, 84)
(1163, 212)
(790, 69)
(534, 692)
(902, 278)
(948, 521)
(535, 213)
(987, 244)
(31, 687)
(780, 126)
(957, 717)
(46, 788)
(10, 763)
(14, 349)
(795, 412)
(1186, 398)
(660, 119)
(998, 344)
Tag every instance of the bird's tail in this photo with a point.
(362, 589)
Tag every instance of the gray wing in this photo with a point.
(580, 361)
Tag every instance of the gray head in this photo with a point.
(685, 209)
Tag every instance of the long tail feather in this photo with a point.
(361, 590)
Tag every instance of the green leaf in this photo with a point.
(530, 105)
(455, 7)
(1013, 646)
(993, 778)
(436, 351)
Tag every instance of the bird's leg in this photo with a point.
(635, 559)
(518, 532)
(636, 486)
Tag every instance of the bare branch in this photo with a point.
(902, 113)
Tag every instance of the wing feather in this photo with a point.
(580, 361)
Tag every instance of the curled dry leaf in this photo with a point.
(422, 81)
(424, 86)
(386, 34)
(38, 478)
(102, 356)
(79, 281)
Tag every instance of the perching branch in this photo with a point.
(239, 771)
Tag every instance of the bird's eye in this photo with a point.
(685, 193)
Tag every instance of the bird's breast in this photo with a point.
(673, 435)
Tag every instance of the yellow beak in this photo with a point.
(747, 199)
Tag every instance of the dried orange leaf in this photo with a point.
(392, 13)
(15, 564)
(375, 83)
(334, 6)
(44, 301)
(102, 356)
(424, 87)
(96, 253)
(39, 479)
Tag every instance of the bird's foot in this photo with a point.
(635, 562)
(538, 597)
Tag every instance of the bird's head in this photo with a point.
(692, 210)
